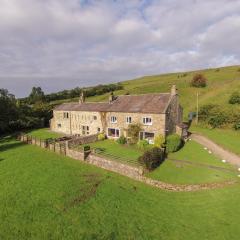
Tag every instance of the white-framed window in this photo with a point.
(65, 115)
(149, 136)
(113, 132)
(98, 129)
(85, 130)
(147, 121)
(113, 119)
(94, 117)
(128, 119)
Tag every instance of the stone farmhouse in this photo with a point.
(158, 114)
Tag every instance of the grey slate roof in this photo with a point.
(147, 103)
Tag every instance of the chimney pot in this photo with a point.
(174, 90)
(82, 98)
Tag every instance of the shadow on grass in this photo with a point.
(8, 146)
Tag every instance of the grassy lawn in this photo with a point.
(180, 172)
(44, 133)
(118, 152)
(47, 196)
(227, 138)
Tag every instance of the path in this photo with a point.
(216, 149)
(202, 165)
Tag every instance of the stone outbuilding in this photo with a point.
(158, 113)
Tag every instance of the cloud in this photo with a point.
(61, 44)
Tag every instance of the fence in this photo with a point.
(126, 167)
(124, 160)
(55, 145)
(82, 140)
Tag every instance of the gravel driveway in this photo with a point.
(216, 149)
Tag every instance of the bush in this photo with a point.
(218, 120)
(237, 126)
(159, 141)
(152, 158)
(174, 143)
(133, 132)
(199, 81)
(142, 144)
(235, 98)
(101, 137)
(122, 140)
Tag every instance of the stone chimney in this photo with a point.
(82, 98)
(174, 90)
(111, 98)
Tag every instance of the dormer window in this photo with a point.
(113, 119)
(147, 121)
(128, 120)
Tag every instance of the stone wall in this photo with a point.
(82, 140)
(75, 122)
(157, 126)
(173, 115)
(78, 155)
(114, 166)
(100, 122)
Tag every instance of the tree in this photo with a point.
(198, 81)
(235, 98)
(36, 95)
(152, 158)
(133, 132)
(174, 143)
(8, 110)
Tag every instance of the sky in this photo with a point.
(62, 44)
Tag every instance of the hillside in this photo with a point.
(221, 83)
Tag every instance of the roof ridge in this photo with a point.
(129, 95)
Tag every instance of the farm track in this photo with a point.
(185, 162)
(216, 149)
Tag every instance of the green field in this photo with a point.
(47, 196)
(44, 133)
(227, 138)
(193, 165)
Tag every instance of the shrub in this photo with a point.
(218, 120)
(142, 144)
(199, 81)
(237, 126)
(159, 141)
(152, 158)
(208, 110)
(235, 98)
(174, 143)
(101, 137)
(122, 140)
(133, 132)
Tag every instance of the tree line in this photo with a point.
(38, 95)
(35, 111)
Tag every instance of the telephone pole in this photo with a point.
(197, 108)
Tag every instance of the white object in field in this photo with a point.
(205, 148)
(209, 152)
(238, 175)
(223, 160)
(239, 169)
(190, 139)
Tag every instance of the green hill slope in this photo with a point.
(221, 83)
